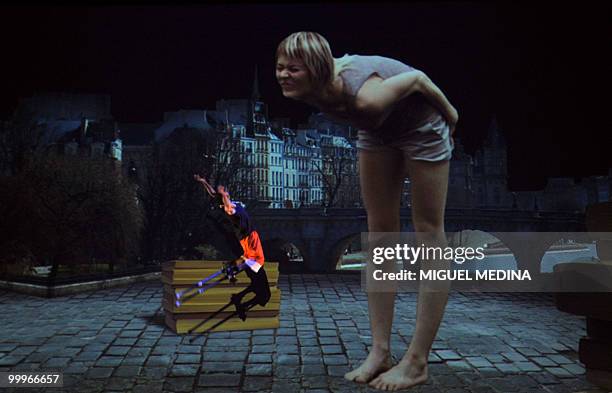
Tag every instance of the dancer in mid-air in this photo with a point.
(405, 125)
(252, 256)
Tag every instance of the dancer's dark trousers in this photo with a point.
(259, 285)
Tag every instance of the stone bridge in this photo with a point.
(323, 235)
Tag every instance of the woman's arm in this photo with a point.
(438, 100)
(378, 96)
(228, 206)
(205, 184)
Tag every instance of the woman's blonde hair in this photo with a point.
(313, 49)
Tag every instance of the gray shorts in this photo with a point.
(430, 142)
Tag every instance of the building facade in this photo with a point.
(281, 167)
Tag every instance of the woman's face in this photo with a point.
(293, 77)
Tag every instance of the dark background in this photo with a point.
(540, 69)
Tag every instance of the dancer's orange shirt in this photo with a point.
(251, 245)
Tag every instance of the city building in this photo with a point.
(73, 124)
(279, 167)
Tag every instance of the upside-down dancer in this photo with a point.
(252, 256)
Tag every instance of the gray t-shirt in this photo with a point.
(411, 112)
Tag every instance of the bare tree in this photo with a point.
(70, 210)
(230, 166)
(179, 214)
(20, 139)
(332, 173)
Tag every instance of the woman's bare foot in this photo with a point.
(411, 371)
(378, 361)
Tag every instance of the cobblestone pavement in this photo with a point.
(115, 340)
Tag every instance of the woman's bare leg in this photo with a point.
(381, 177)
(429, 191)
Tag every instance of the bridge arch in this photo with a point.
(527, 248)
(288, 254)
(348, 245)
(583, 244)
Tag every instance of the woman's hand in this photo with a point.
(200, 179)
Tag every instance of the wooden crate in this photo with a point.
(179, 275)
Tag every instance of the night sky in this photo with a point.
(539, 69)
